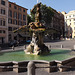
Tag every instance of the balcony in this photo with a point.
(3, 27)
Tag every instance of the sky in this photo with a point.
(58, 5)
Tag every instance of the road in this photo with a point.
(66, 44)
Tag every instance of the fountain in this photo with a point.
(37, 47)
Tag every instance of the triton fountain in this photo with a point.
(37, 47)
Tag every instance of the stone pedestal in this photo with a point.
(31, 68)
(37, 47)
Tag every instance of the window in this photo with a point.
(10, 21)
(20, 23)
(19, 9)
(15, 7)
(24, 23)
(15, 22)
(3, 31)
(0, 31)
(2, 11)
(73, 19)
(10, 13)
(2, 2)
(9, 28)
(9, 5)
(70, 20)
(73, 15)
(70, 23)
(70, 16)
(23, 10)
(15, 15)
(24, 17)
(66, 16)
(2, 22)
(19, 16)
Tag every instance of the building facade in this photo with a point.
(57, 26)
(3, 21)
(12, 17)
(69, 24)
(17, 17)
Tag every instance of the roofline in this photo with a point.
(17, 5)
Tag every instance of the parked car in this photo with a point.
(28, 41)
(13, 43)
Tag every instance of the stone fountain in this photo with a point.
(37, 46)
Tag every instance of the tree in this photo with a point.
(29, 19)
(46, 14)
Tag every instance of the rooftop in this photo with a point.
(18, 5)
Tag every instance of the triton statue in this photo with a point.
(36, 46)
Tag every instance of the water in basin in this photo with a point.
(21, 56)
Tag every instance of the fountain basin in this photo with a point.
(21, 56)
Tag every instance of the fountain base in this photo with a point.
(37, 50)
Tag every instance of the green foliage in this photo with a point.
(46, 14)
(29, 19)
(33, 15)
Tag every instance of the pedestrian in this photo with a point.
(25, 46)
(13, 47)
(18, 43)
